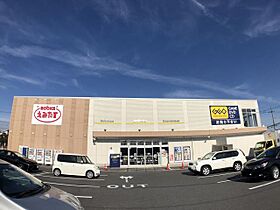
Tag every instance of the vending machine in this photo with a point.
(48, 156)
(40, 156)
(32, 154)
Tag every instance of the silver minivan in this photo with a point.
(20, 190)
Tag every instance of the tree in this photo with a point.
(4, 138)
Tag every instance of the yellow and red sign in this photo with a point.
(47, 114)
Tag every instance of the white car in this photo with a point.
(74, 164)
(219, 160)
(20, 190)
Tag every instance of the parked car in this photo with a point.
(74, 164)
(266, 164)
(264, 145)
(218, 160)
(19, 160)
(20, 190)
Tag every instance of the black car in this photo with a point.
(267, 164)
(19, 160)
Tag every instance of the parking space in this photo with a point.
(178, 189)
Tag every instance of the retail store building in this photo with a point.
(143, 131)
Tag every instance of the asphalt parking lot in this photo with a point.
(175, 189)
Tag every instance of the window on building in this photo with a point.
(250, 117)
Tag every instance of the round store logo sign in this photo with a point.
(47, 114)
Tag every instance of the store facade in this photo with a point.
(144, 132)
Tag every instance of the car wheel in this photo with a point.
(205, 170)
(89, 174)
(56, 172)
(275, 172)
(237, 166)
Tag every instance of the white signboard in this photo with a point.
(47, 114)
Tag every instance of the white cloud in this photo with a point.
(113, 9)
(264, 22)
(3, 86)
(188, 94)
(208, 13)
(99, 65)
(5, 75)
(75, 82)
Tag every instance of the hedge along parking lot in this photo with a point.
(168, 189)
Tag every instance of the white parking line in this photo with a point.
(204, 177)
(73, 185)
(71, 178)
(220, 182)
(263, 185)
(81, 196)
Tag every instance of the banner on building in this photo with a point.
(177, 154)
(187, 153)
(47, 114)
(224, 115)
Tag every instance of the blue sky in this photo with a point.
(150, 48)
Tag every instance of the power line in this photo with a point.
(271, 111)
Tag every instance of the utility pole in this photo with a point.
(271, 111)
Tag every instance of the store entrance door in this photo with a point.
(140, 153)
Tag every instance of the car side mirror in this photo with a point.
(199, 158)
(214, 158)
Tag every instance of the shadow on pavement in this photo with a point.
(189, 173)
(239, 178)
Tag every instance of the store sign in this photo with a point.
(224, 115)
(47, 114)
(171, 122)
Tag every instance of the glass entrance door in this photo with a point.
(140, 153)
(156, 155)
(133, 156)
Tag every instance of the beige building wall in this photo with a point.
(245, 142)
(132, 114)
(70, 136)
(188, 120)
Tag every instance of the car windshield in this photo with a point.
(208, 156)
(260, 145)
(17, 183)
(271, 153)
(88, 160)
(83, 159)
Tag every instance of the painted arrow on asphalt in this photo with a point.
(126, 178)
